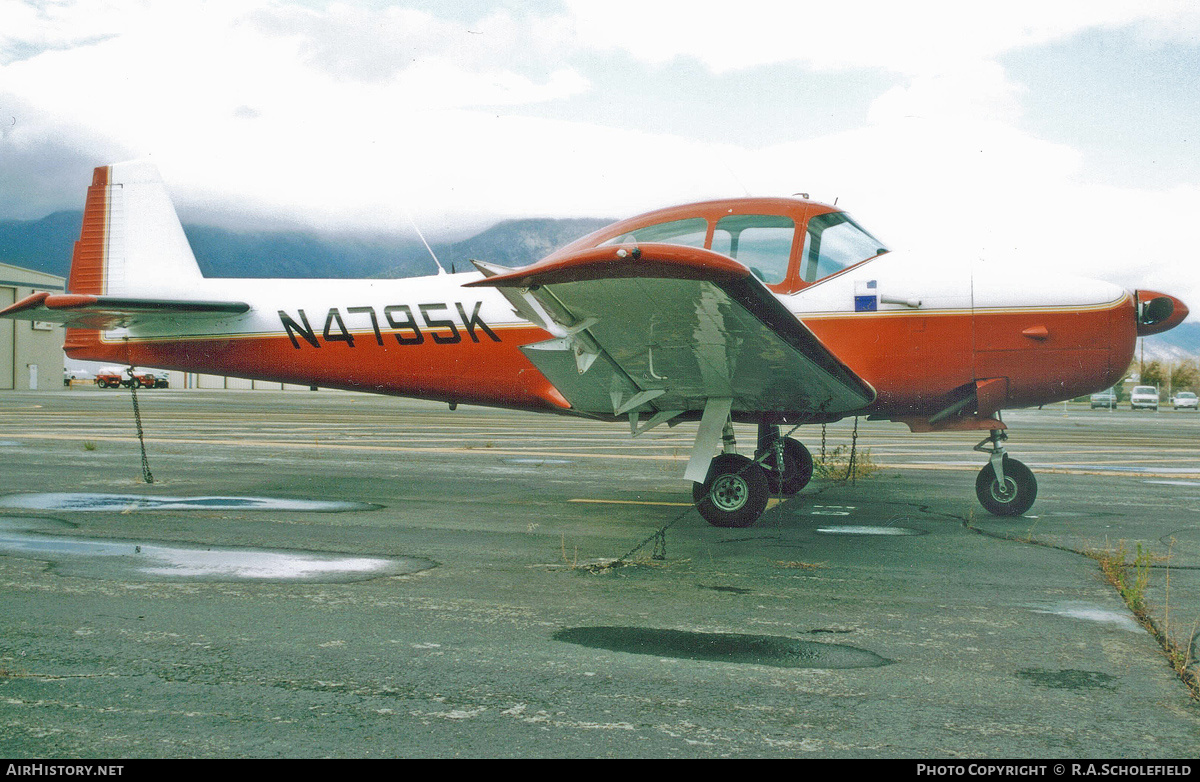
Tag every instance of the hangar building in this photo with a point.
(31, 354)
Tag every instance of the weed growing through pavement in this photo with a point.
(837, 465)
(1131, 581)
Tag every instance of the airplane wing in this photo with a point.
(661, 329)
(112, 312)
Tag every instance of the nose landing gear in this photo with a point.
(1005, 486)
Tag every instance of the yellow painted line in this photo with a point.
(1048, 470)
(634, 502)
(771, 503)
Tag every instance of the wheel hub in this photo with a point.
(729, 493)
(1006, 492)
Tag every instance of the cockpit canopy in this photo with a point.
(788, 244)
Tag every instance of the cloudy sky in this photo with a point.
(1034, 133)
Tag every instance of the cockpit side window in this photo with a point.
(832, 242)
(689, 233)
(762, 243)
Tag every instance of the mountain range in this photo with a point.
(45, 245)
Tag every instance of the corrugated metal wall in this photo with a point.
(8, 343)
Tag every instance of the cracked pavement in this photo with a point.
(999, 637)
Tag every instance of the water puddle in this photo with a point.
(729, 589)
(10, 444)
(1068, 679)
(126, 503)
(127, 560)
(1092, 613)
(1175, 483)
(851, 529)
(28, 524)
(772, 650)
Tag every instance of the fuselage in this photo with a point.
(924, 338)
(432, 338)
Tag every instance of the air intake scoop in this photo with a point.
(1158, 312)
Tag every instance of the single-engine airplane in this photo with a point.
(771, 311)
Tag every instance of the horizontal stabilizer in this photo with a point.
(113, 312)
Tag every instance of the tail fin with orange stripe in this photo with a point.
(132, 263)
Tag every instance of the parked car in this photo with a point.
(111, 377)
(1106, 399)
(1186, 400)
(115, 377)
(1144, 397)
(156, 380)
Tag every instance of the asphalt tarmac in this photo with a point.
(322, 574)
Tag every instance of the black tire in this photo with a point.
(1017, 495)
(797, 468)
(734, 494)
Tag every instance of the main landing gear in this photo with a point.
(1005, 487)
(736, 490)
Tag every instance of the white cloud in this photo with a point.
(915, 37)
(342, 116)
(29, 28)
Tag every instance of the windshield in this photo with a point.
(1145, 390)
(762, 243)
(834, 241)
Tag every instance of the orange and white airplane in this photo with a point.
(772, 311)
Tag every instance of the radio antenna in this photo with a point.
(417, 228)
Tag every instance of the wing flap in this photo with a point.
(112, 312)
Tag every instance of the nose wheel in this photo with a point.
(1005, 486)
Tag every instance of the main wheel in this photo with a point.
(797, 468)
(1013, 498)
(734, 494)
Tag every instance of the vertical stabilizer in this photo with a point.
(132, 243)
